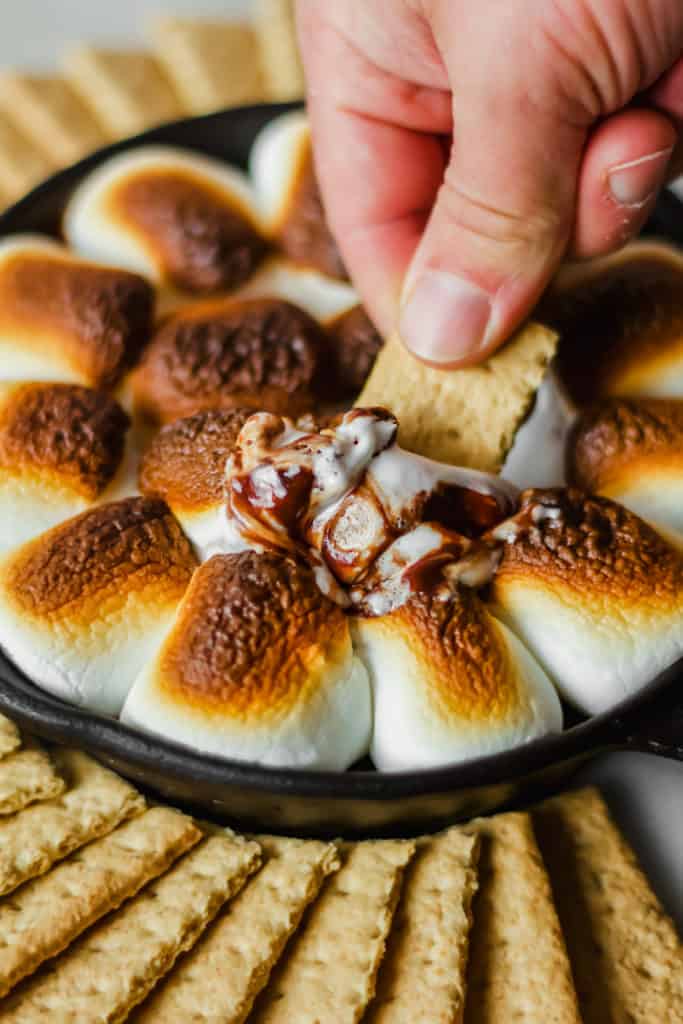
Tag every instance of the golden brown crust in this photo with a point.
(593, 547)
(135, 542)
(617, 436)
(249, 636)
(185, 464)
(470, 672)
(260, 353)
(627, 314)
(101, 317)
(202, 240)
(304, 233)
(75, 433)
(354, 345)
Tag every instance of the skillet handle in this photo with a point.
(658, 728)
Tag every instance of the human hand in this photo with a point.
(565, 118)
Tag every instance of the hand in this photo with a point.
(464, 147)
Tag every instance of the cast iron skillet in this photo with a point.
(356, 802)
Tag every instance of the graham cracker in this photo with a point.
(212, 64)
(218, 980)
(93, 804)
(27, 776)
(128, 90)
(10, 739)
(45, 916)
(518, 965)
(22, 165)
(423, 973)
(51, 113)
(465, 417)
(280, 60)
(626, 956)
(328, 971)
(110, 969)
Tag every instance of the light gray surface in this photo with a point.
(32, 32)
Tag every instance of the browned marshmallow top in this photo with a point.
(261, 353)
(101, 555)
(354, 345)
(202, 240)
(591, 546)
(185, 464)
(98, 317)
(72, 432)
(467, 664)
(304, 233)
(617, 320)
(616, 437)
(250, 633)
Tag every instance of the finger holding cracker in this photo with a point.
(128, 90)
(212, 64)
(27, 776)
(93, 804)
(44, 916)
(52, 114)
(466, 417)
(626, 956)
(423, 973)
(114, 965)
(218, 980)
(518, 964)
(329, 969)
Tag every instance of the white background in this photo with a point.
(646, 793)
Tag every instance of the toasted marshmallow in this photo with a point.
(84, 606)
(226, 353)
(65, 319)
(259, 666)
(537, 456)
(323, 297)
(593, 591)
(182, 219)
(631, 450)
(281, 166)
(450, 683)
(61, 449)
(620, 321)
(185, 466)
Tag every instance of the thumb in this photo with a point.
(502, 219)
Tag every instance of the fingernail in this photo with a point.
(445, 318)
(636, 183)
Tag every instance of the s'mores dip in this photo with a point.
(234, 516)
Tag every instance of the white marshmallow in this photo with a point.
(274, 162)
(537, 456)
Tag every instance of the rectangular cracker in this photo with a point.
(22, 164)
(27, 776)
(111, 969)
(128, 90)
(51, 113)
(93, 804)
(280, 61)
(423, 973)
(328, 971)
(626, 956)
(212, 64)
(45, 916)
(466, 417)
(518, 964)
(10, 739)
(218, 980)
